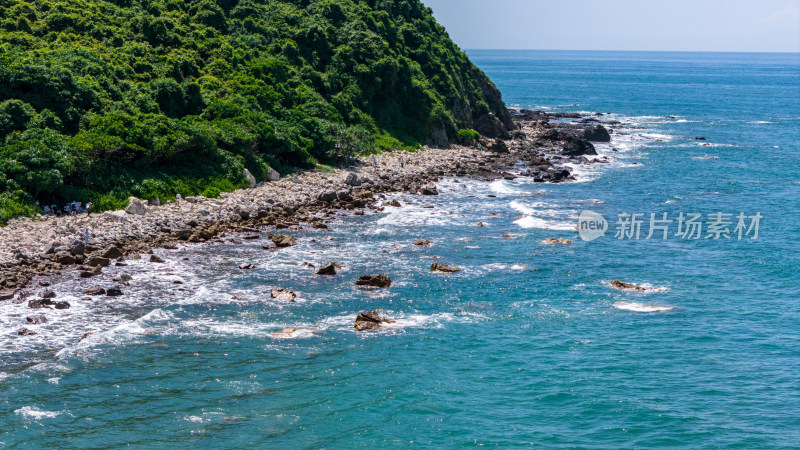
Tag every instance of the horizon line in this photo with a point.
(633, 51)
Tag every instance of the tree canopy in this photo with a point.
(102, 99)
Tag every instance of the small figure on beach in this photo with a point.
(220, 212)
(401, 161)
(177, 198)
(89, 209)
(86, 236)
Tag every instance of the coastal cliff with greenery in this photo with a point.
(100, 100)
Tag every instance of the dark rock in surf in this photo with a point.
(327, 269)
(95, 291)
(282, 240)
(376, 281)
(574, 146)
(112, 252)
(597, 133)
(444, 268)
(98, 261)
(367, 321)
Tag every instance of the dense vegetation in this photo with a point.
(100, 100)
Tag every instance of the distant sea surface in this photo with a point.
(528, 344)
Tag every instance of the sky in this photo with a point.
(656, 25)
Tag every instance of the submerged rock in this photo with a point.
(422, 243)
(155, 259)
(626, 286)
(95, 291)
(25, 332)
(553, 241)
(36, 320)
(445, 268)
(246, 266)
(282, 295)
(376, 280)
(371, 320)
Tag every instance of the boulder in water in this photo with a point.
(328, 269)
(156, 259)
(25, 332)
(376, 281)
(112, 252)
(597, 133)
(282, 240)
(429, 189)
(98, 261)
(444, 268)
(422, 243)
(36, 320)
(114, 292)
(367, 321)
(95, 291)
(626, 286)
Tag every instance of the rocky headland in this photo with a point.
(538, 146)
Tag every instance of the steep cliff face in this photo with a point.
(140, 97)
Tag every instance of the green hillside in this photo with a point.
(100, 100)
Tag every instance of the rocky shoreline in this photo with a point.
(537, 148)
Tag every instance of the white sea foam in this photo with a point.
(544, 224)
(504, 187)
(643, 307)
(34, 413)
(403, 321)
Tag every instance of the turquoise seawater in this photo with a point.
(524, 346)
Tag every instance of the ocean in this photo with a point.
(527, 345)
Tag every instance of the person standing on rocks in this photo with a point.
(88, 209)
(178, 198)
(86, 237)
